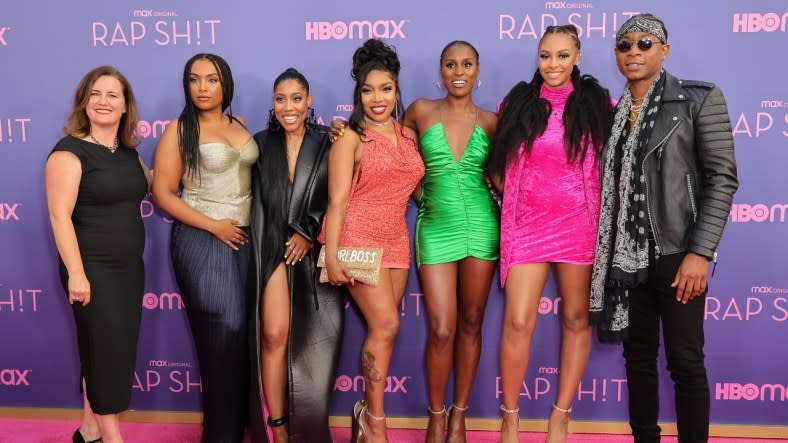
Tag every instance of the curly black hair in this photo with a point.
(373, 55)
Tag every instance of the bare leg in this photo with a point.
(109, 425)
(275, 327)
(575, 284)
(439, 283)
(475, 279)
(523, 288)
(379, 306)
(89, 427)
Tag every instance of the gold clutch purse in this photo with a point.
(363, 263)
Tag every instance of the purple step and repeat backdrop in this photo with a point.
(46, 46)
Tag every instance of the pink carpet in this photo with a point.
(60, 431)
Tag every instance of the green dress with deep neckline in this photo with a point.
(458, 216)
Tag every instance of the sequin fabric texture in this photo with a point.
(375, 213)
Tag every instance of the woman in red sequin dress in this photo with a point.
(372, 171)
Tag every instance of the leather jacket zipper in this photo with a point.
(692, 198)
(654, 230)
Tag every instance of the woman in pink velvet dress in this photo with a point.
(546, 148)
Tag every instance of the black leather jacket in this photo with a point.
(690, 169)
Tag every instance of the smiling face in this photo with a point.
(641, 65)
(205, 85)
(558, 55)
(459, 69)
(291, 104)
(378, 95)
(106, 103)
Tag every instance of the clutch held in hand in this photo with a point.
(363, 263)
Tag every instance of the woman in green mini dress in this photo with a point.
(456, 233)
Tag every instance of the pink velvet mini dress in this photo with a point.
(550, 211)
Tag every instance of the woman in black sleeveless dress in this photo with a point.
(95, 182)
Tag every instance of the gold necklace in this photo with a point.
(112, 148)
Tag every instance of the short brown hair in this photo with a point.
(78, 123)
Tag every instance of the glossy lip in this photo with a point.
(378, 109)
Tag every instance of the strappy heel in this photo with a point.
(516, 412)
(566, 411)
(277, 422)
(357, 433)
(451, 414)
(440, 412)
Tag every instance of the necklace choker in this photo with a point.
(374, 123)
(112, 148)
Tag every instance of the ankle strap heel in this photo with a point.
(559, 409)
(441, 411)
(277, 422)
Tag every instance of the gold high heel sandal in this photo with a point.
(357, 434)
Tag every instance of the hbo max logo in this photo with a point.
(14, 377)
(760, 213)
(755, 22)
(346, 383)
(749, 391)
(357, 29)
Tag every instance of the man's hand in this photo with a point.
(691, 278)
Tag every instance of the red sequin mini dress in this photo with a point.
(382, 184)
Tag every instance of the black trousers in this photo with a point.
(682, 329)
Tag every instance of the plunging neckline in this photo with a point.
(446, 140)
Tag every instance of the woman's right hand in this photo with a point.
(337, 129)
(338, 274)
(228, 232)
(78, 289)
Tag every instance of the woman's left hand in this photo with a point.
(296, 249)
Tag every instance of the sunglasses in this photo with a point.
(644, 44)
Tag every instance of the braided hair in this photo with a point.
(188, 121)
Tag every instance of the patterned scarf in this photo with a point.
(621, 260)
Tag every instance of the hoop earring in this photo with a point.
(478, 84)
(395, 112)
(311, 116)
(439, 85)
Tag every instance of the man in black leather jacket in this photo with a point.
(668, 179)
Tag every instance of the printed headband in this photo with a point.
(643, 23)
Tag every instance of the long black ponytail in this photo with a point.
(587, 117)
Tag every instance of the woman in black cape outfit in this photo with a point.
(286, 216)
